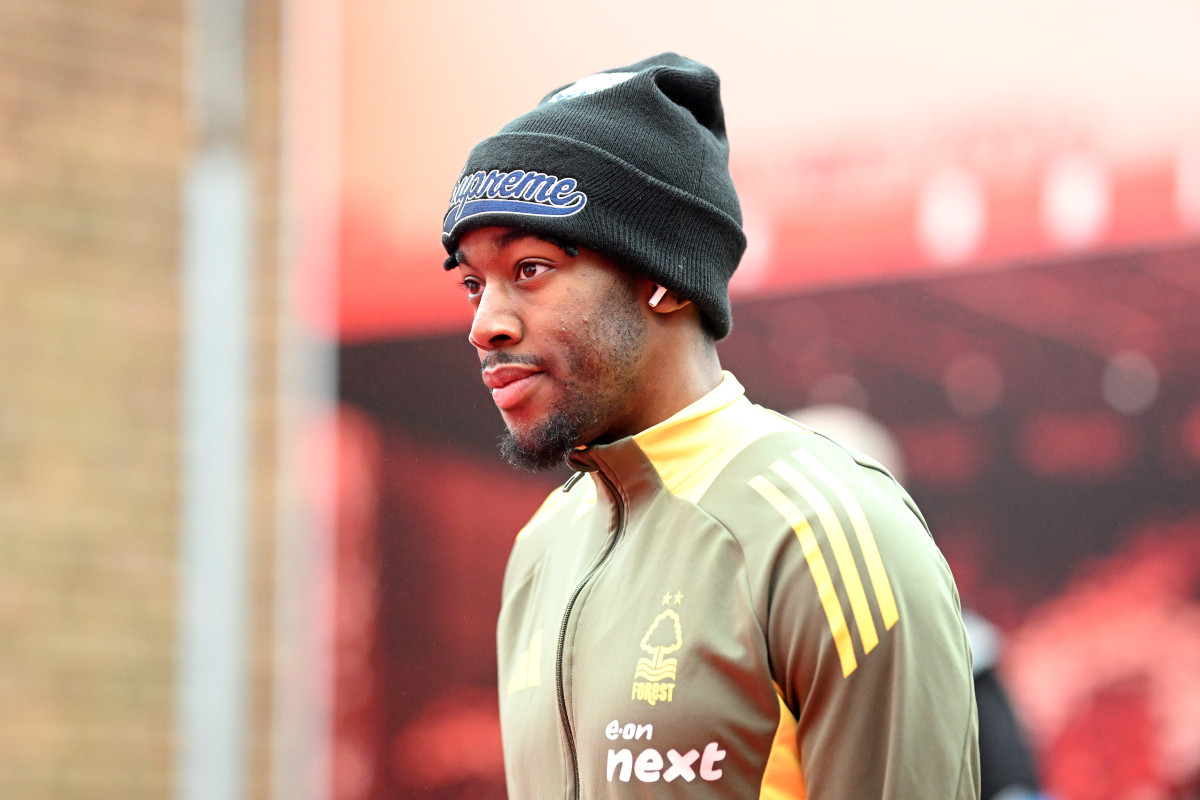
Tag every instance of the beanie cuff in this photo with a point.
(539, 182)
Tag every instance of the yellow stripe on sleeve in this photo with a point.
(816, 565)
(866, 541)
(841, 552)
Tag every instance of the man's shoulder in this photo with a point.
(799, 502)
(793, 476)
(563, 506)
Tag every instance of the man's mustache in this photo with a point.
(500, 357)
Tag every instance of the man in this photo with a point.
(720, 602)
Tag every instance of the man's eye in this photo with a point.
(531, 270)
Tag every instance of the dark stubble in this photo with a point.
(601, 356)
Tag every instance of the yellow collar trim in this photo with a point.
(728, 391)
(690, 449)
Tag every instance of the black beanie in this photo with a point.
(632, 163)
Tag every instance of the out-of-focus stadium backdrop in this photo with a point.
(252, 518)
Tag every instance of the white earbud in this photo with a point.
(658, 296)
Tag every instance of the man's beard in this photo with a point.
(545, 447)
(601, 358)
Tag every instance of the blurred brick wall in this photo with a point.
(93, 140)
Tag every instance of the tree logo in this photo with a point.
(664, 636)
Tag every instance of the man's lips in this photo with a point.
(510, 384)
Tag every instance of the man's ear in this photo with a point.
(663, 301)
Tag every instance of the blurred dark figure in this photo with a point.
(1006, 769)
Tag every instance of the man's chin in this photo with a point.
(521, 422)
(539, 447)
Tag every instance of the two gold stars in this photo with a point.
(668, 597)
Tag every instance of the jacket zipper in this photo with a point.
(562, 633)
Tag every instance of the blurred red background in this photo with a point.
(1071, 525)
(980, 227)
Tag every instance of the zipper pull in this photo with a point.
(574, 479)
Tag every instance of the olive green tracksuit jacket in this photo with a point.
(731, 605)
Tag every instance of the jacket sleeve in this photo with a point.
(864, 634)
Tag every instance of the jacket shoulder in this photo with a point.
(797, 475)
(860, 615)
(557, 513)
(828, 534)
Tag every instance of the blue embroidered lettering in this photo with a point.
(510, 183)
(562, 189)
(491, 184)
(476, 185)
(516, 192)
(533, 185)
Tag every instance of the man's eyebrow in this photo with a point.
(514, 236)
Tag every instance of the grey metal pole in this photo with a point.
(211, 710)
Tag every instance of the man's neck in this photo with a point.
(665, 389)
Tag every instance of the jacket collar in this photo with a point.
(674, 450)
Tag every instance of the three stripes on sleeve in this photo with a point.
(828, 518)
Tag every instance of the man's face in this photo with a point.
(559, 338)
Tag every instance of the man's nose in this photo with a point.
(496, 322)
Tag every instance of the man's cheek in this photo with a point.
(570, 358)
